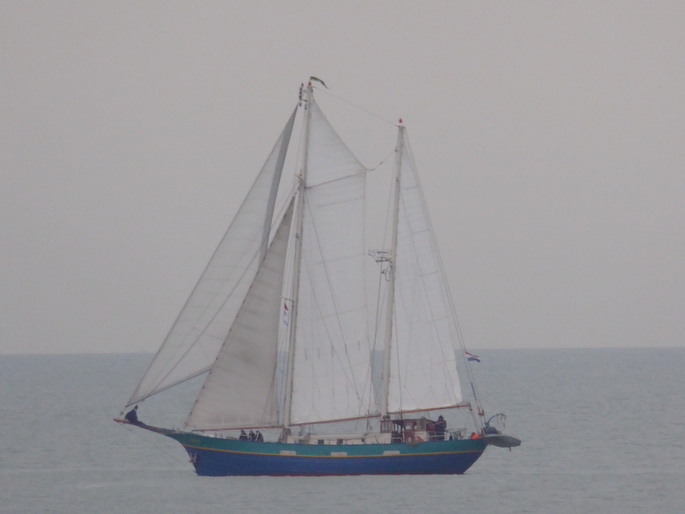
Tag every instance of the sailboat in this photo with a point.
(281, 327)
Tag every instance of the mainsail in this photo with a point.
(201, 328)
(423, 368)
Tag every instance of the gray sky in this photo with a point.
(549, 136)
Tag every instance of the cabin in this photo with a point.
(404, 430)
(416, 430)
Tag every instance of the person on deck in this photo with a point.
(252, 436)
(440, 427)
(132, 416)
(243, 435)
(260, 437)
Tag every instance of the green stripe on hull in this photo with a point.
(328, 450)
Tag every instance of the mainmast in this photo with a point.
(297, 257)
(399, 147)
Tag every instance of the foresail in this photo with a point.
(240, 389)
(331, 370)
(424, 329)
(197, 335)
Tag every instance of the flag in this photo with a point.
(316, 79)
(286, 314)
(471, 357)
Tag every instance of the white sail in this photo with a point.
(331, 369)
(240, 389)
(423, 369)
(202, 326)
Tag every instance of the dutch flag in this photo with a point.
(471, 357)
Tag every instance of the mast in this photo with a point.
(297, 257)
(391, 272)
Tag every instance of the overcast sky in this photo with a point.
(550, 137)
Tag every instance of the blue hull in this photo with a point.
(229, 457)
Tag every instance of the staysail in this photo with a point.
(240, 389)
(200, 329)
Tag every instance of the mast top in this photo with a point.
(316, 79)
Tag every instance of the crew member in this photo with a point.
(440, 426)
(132, 416)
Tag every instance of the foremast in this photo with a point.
(306, 97)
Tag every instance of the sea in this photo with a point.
(603, 430)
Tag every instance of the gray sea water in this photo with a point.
(602, 430)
